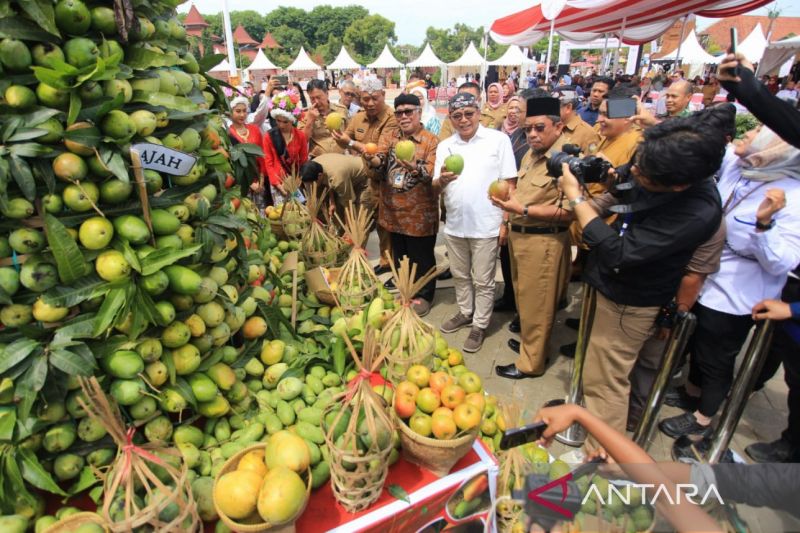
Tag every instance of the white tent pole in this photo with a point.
(549, 50)
(605, 56)
(226, 20)
(619, 45)
(680, 42)
(485, 48)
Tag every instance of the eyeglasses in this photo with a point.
(349, 95)
(458, 117)
(538, 127)
(405, 112)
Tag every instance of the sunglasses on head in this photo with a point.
(405, 112)
(465, 115)
(538, 127)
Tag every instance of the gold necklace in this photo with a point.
(244, 135)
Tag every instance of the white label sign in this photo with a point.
(163, 159)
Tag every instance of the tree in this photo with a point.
(365, 37)
(325, 22)
(252, 21)
(449, 44)
(291, 17)
(290, 39)
(330, 49)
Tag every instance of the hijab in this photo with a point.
(770, 158)
(499, 102)
(428, 112)
(509, 126)
(511, 90)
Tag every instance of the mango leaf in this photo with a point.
(86, 480)
(69, 259)
(26, 134)
(115, 163)
(124, 246)
(229, 222)
(34, 118)
(53, 78)
(89, 136)
(29, 150)
(178, 103)
(81, 327)
(165, 257)
(92, 72)
(86, 288)
(399, 492)
(186, 391)
(24, 29)
(16, 352)
(6, 11)
(169, 362)
(210, 61)
(23, 176)
(74, 107)
(70, 363)
(7, 423)
(95, 113)
(35, 474)
(29, 385)
(43, 171)
(109, 311)
(41, 11)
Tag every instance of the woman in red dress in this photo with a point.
(249, 133)
(285, 147)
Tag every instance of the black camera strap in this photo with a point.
(643, 205)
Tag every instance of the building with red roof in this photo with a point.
(269, 42)
(719, 33)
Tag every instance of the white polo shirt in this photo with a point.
(488, 156)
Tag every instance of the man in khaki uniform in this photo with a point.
(366, 127)
(345, 176)
(320, 140)
(487, 121)
(538, 219)
(576, 130)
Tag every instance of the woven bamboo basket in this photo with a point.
(438, 456)
(73, 522)
(315, 280)
(255, 523)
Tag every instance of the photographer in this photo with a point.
(636, 264)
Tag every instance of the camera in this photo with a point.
(590, 169)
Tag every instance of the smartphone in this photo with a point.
(621, 107)
(732, 50)
(522, 435)
(283, 81)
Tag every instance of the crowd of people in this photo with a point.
(668, 212)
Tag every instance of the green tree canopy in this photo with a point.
(365, 37)
(449, 44)
(290, 39)
(252, 21)
(326, 22)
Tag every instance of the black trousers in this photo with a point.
(786, 350)
(420, 251)
(508, 282)
(714, 346)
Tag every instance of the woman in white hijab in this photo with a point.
(429, 118)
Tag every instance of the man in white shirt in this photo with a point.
(473, 223)
(789, 91)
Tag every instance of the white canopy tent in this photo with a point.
(303, 62)
(754, 44)
(344, 61)
(470, 61)
(222, 66)
(427, 59)
(777, 54)
(691, 53)
(512, 57)
(261, 62)
(385, 60)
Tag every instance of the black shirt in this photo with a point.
(643, 267)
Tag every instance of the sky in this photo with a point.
(412, 17)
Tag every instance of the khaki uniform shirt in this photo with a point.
(320, 140)
(498, 115)
(621, 149)
(535, 187)
(364, 130)
(487, 121)
(577, 131)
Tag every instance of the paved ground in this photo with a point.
(764, 417)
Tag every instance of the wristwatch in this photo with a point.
(525, 211)
(576, 201)
(765, 227)
(351, 143)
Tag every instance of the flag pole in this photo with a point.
(226, 21)
(549, 49)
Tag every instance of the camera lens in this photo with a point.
(555, 161)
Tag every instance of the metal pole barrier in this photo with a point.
(575, 434)
(673, 349)
(749, 370)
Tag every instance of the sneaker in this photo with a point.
(389, 285)
(455, 323)
(514, 325)
(685, 424)
(382, 269)
(421, 306)
(445, 275)
(777, 451)
(475, 340)
(678, 397)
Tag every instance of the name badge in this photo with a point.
(398, 179)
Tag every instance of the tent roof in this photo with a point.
(426, 59)
(470, 58)
(344, 61)
(777, 54)
(222, 66)
(385, 60)
(241, 36)
(691, 53)
(512, 57)
(194, 18)
(261, 62)
(269, 41)
(753, 45)
(303, 62)
(584, 20)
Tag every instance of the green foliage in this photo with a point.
(290, 39)
(449, 44)
(365, 37)
(744, 123)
